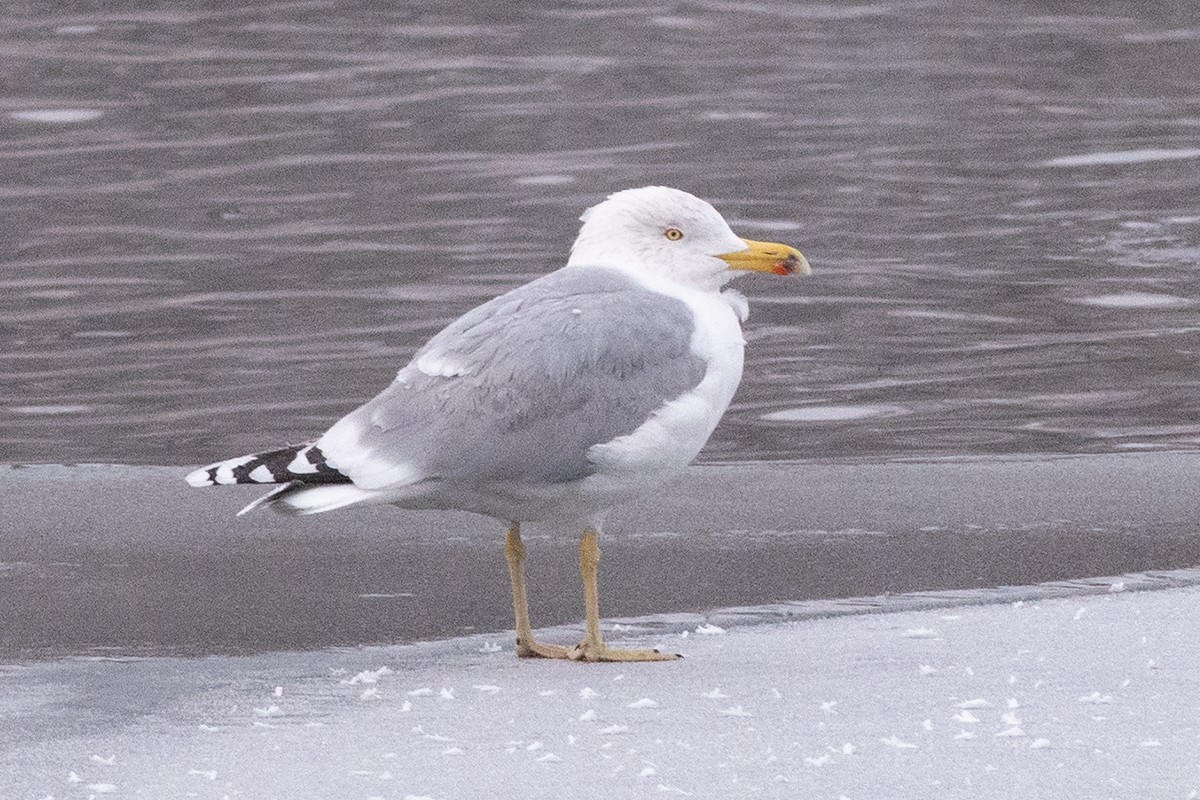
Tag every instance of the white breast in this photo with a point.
(675, 433)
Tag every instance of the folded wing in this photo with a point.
(521, 387)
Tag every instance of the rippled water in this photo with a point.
(224, 228)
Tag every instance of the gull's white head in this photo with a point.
(661, 232)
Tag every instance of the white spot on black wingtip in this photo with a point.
(303, 463)
(261, 474)
(205, 476)
(225, 471)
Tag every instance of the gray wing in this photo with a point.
(523, 385)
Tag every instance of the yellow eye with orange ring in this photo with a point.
(674, 234)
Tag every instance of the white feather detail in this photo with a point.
(225, 468)
(199, 477)
(435, 365)
(343, 444)
(261, 474)
(738, 302)
(373, 472)
(319, 499)
(300, 465)
(266, 499)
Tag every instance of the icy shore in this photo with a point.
(1074, 697)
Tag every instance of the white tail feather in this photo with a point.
(318, 499)
(268, 498)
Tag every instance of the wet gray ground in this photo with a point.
(120, 560)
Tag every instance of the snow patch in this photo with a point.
(920, 633)
(367, 676)
(978, 702)
(898, 743)
(1095, 698)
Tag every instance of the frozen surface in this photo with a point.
(1076, 697)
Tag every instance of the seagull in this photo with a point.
(556, 401)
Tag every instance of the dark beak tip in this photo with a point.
(791, 264)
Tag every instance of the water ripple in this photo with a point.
(225, 226)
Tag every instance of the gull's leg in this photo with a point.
(593, 648)
(514, 553)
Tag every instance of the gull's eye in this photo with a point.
(674, 234)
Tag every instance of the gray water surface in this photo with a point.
(224, 225)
